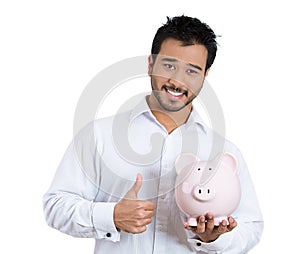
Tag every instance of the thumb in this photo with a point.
(133, 192)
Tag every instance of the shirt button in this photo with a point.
(199, 244)
(108, 235)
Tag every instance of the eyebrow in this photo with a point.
(195, 66)
(168, 59)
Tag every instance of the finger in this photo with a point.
(133, 192)
(149, 206)
(138, 184)
(232, 223)
(201, 224)
(222, 227)
(188, 227)
(144, 205)
(142, 222)
(146, 221)
(145, 215)
(138, 230)
(191, 228)
(210, 222)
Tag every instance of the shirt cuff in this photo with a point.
(217, 246)
(103, 214)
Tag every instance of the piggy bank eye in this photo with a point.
(199, 169)
(210, 169)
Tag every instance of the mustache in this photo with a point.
(175, 89)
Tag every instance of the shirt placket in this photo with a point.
(166, 185)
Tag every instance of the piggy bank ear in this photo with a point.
(183, 160)
(230, 161)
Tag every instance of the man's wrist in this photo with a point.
(204, 240)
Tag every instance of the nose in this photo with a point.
(204, 193)
(177, 79)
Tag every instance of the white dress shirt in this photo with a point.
(101, 164)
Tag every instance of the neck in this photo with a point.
(170, 120)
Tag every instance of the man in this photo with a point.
(91, 194)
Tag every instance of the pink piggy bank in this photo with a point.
(207, 186)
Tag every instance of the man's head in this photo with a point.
(189, 31)
(182, 52)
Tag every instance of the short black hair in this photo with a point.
(190, 31)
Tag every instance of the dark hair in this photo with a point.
(190, 31)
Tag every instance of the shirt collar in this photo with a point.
(197, 119)
(142, 108)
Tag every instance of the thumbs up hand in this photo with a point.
(131, 214)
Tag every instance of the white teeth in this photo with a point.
(174, 93)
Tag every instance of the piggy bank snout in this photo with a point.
(204, 193)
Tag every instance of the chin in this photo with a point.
(174, 108)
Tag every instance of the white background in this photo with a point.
(50, 50)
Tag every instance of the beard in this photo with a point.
(172, 105)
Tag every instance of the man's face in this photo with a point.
(177, 74)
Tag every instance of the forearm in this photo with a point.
(79, 217)
(70, 203)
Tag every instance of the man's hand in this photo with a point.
(207, 231)
(131, 214)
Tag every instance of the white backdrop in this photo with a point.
(50, 50)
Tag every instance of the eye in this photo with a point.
(199, 169)
(170, 66)
(191, 71)
(210, 169)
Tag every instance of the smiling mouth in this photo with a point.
(175, 91)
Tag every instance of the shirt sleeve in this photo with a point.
(248, 216)
(69, 204)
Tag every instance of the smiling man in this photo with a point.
(126, 202)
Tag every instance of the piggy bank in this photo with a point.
(207, 186)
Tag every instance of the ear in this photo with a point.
(150, 65)
(184, 160)
(230, 161)
(206, 72)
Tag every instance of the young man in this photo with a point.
(91, 194)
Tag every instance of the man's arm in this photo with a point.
(69, 204)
